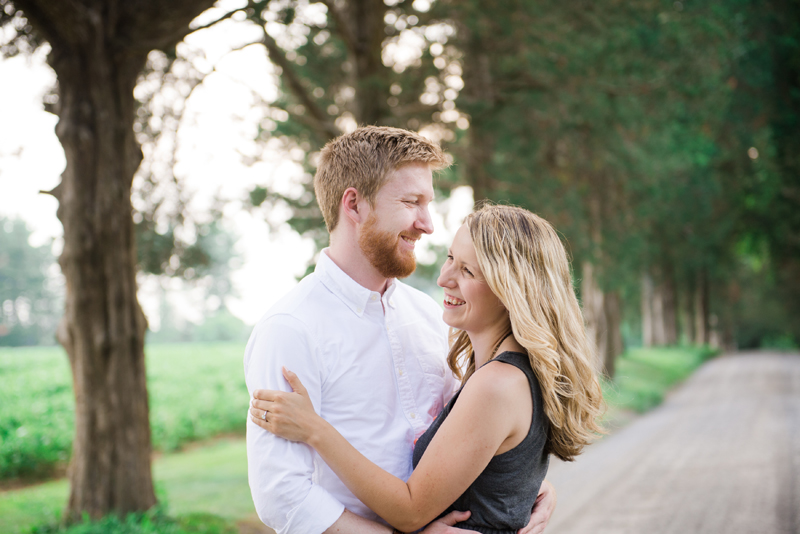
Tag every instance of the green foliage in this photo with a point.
(196, 392)
(632, 127)
(207, 479)
(36, 411)
(152, 522)
(644, 376)
(335, 70)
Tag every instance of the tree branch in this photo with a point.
(325, 128)
(226, 16)
(39, 14)
(345, 32)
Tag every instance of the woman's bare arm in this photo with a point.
(471, 435)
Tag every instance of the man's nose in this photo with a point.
(424, 222)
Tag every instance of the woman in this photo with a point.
(528, 390)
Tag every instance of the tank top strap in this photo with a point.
(517, 359)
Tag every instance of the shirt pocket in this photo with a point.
(431, 359)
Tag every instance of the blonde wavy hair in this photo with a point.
(526, 266)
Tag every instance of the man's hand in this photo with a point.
(542, 510)
(445, 524)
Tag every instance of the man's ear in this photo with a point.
(352, 206)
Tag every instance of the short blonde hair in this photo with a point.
(525, 264)
(363, 159)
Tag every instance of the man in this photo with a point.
(369, 349)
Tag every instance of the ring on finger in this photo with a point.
(264, 417)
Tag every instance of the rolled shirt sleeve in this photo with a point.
(281, 472)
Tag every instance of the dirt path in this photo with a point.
(721, 455)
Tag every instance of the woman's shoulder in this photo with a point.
(497, 380)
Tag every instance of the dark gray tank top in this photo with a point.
(502, 496)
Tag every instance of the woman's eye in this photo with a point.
(467, 271)
(450, 257)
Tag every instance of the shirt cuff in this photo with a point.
(318, 511)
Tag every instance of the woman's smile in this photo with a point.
(453, 302)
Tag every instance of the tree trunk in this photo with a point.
(366, 23)
(103, 327)
(98, 49)
(594, 314)
(687, 307)
(714, 337)
(478, 99)
(701, 335)
(614, 345)
(648, 325)
(659, 328)
(670, 304)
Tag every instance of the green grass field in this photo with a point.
(197, 391)
(210, 480)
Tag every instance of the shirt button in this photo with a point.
(391, 302)
(413, 415)
(373, 298)
(359, 310)
(400, 372)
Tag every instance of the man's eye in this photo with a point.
(450, 257)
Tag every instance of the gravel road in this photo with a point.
(721, 455)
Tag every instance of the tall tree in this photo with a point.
(98, 49)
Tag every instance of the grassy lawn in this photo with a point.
(211, 479)
(197, 391)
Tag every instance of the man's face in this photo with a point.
(398, 220)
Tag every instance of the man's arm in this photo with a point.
(280, 472)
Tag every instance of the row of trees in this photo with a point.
(658, 136)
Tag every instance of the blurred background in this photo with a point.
(659, 137)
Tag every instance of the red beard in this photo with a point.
(381, 249)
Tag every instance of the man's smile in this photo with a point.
(410, 240)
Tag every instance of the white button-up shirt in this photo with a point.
(374, 367)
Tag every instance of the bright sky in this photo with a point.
(219, 125)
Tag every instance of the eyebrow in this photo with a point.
(462, 262)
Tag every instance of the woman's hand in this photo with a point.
(288, 415)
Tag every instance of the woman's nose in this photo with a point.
(444, 280)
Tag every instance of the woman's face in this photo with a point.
(469, 304)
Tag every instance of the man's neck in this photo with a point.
(352, 261)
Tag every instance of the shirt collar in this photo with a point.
(353, 294)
